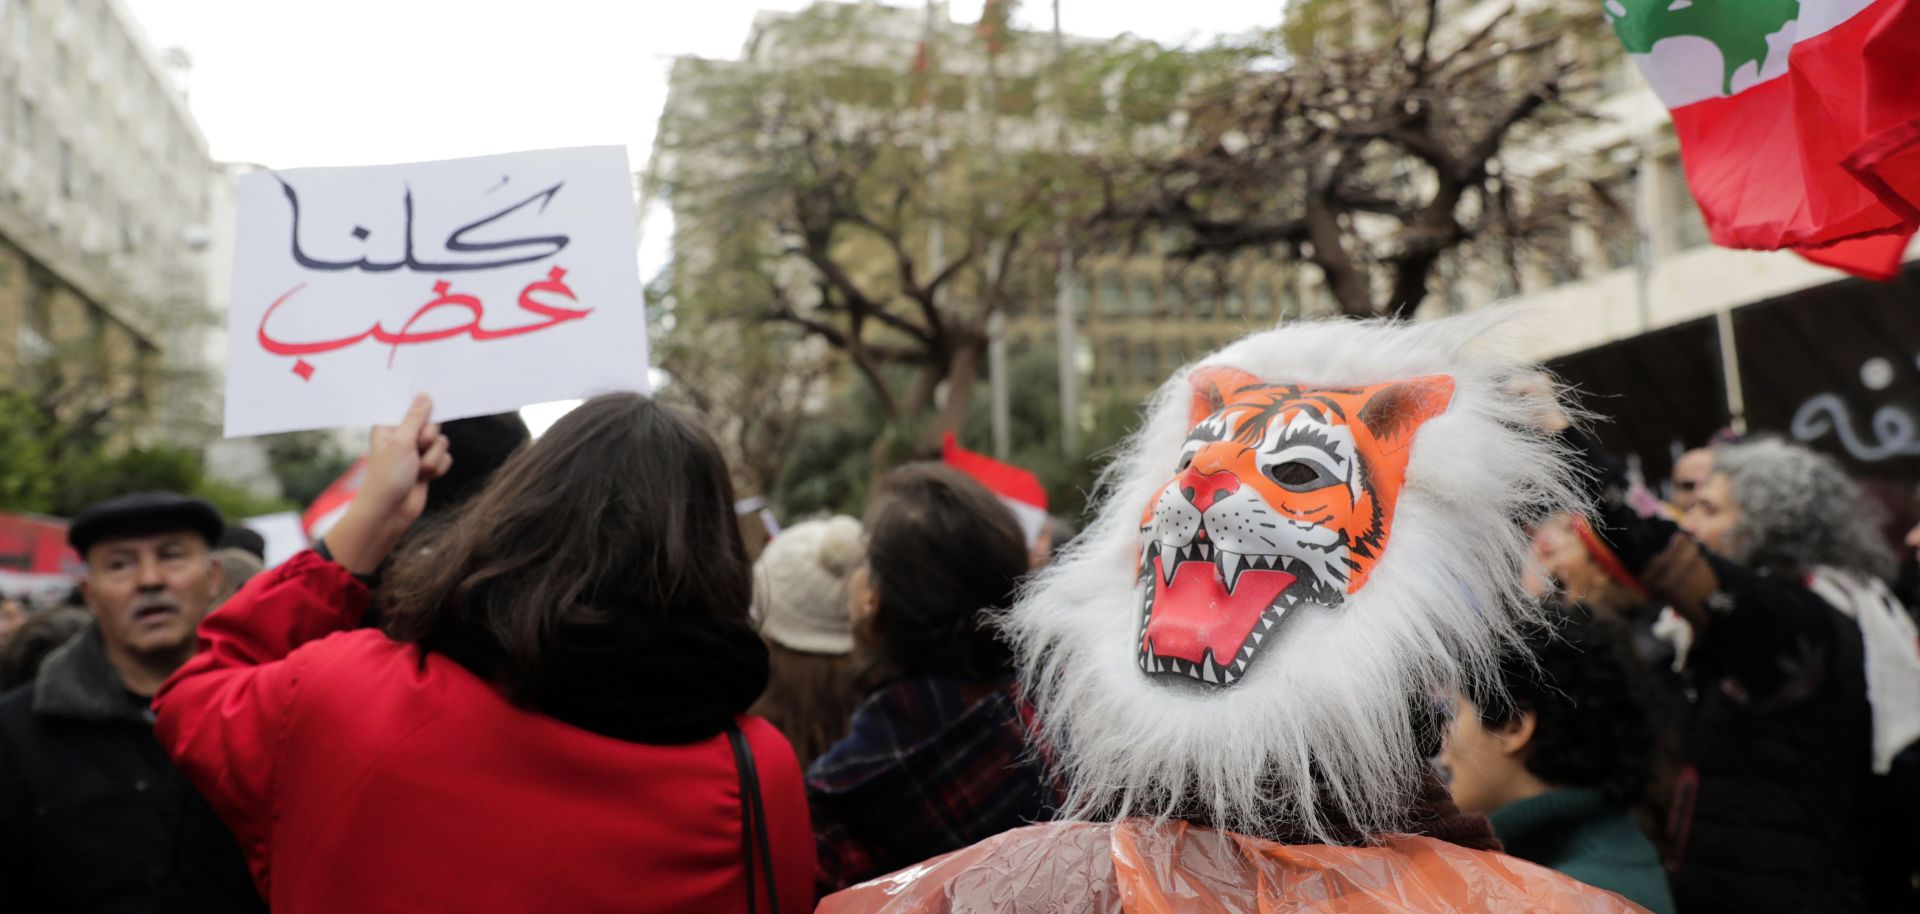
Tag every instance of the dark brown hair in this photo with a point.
(943, 554)
(809, 698)
(623, 507)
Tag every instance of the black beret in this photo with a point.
(143, 513)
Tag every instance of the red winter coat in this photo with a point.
(359, 780)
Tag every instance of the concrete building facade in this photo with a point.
(104, 194)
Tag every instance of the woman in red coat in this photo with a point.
(552, 720)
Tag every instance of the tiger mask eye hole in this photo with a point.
(1298, 474)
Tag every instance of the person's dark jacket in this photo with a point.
(82, 822)
(1578, 832)
(1770, 811)
(930, 765)
(204, 870)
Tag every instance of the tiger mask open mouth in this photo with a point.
(1283, 498)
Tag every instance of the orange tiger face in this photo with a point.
(1283, 496)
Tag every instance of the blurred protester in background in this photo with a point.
(1583, 571)
(1690, 472)
(480, 446)
(245, 539)
(81, 819)
(12, 615)
(237, 567)
(35, 639)
(1558, 752)
(1055, 533)
(800, 583)
(554, 718)
(1802, 681)
(1909, 587)
(937, 756)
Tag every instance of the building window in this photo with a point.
(1145, 298)
(1613, 223)
(1113, 294)
(66, 170)
(62, 65)
(1200, 296)
(22, 30)
(23, 134)
(1689, 229)
(39, 318)
(1148, 356)
(1041, 289)
(1236, 303)
(1288, 297)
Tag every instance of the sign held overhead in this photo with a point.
(491, 283)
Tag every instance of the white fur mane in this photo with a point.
(1318, 731)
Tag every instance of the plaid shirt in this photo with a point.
(930, 766)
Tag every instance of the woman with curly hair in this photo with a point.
(1557, 752)
(1803, 680)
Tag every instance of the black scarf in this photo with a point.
(653, 682)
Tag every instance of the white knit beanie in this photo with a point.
(801, 584)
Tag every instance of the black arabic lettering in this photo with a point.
(456, 241)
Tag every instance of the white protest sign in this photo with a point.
(490, 283)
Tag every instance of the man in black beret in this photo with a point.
(82, 822)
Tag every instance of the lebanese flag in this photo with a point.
(331, 504)
(1018, 489)
(1798, 120)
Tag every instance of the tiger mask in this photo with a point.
(1313, 530)
(1283, 496)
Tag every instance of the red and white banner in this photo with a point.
(332, 502)
(1798, 120)
(1018, 489)
(35, 560)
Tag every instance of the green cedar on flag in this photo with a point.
(1798, 120)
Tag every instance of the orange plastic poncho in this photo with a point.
(1140, 867)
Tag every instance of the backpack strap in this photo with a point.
(753, 820)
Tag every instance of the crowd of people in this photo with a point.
(546, 675)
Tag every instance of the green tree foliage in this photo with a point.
(75, 429)
(26, 479)
(306, 463)
(805, 195)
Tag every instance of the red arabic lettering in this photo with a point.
(444, 297)
(554, 315)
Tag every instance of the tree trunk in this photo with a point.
(962, 372)
(1345, 277)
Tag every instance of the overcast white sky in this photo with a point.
(290, 83)
(360, 82)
